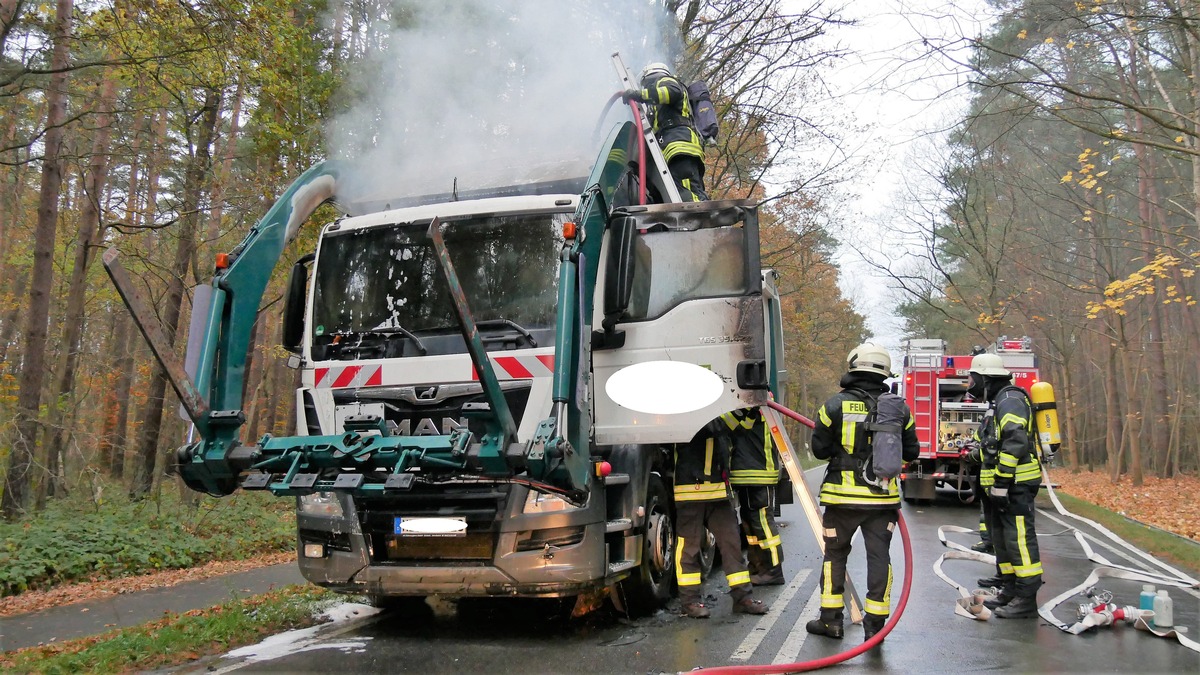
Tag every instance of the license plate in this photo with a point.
(430, 526)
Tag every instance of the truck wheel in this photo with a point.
(649, 586)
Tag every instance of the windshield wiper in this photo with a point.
(393, 330)
(498, 323)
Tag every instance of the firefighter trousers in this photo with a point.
(764, 547)
(688, 172)
(691, 519)
(1015, 540)
(839, 524)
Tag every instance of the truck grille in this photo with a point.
(435, 409)
(477, 505)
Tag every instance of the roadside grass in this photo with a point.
(176, 639)
(87, 537)
(1176, 550)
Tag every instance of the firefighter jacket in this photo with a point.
(840, 437)
(671, 118)
(754, 458)
(1006, 440)
(701, 465)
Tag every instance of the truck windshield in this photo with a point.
(375, 280)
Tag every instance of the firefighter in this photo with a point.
(702, 501)
(851, 501)
(985, 537)
(671, 119)
(1010, 476)
(754, 471)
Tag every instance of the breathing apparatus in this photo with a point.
(1045, 416)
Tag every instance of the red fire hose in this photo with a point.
(816, 664)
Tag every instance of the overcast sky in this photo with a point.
(908, 100)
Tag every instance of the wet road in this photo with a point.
(509, 636)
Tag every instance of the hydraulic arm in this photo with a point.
(367, 457)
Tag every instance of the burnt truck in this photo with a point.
(457, 435)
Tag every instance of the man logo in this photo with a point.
(427, 427)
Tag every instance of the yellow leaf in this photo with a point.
(1179, 138)
(1049, 41)
(1022, 34)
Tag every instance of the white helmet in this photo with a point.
(659, 69)
(989, 364)
(869, 358)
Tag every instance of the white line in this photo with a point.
(760, 630)
(795, 639)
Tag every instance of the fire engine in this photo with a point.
(935, 388)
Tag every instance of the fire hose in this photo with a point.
(824, 662)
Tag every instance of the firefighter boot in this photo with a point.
(983, 547)
(695, 610)
(991, 582)
(1008, 592)
(829, 625)
(872, 624)
(771, 577)
(744, 603)
(1021, 607)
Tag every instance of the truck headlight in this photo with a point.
(321, 504)
(541, 502)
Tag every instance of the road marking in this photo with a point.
(766, 621)
(795, 639)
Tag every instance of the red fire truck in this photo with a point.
(935, 388)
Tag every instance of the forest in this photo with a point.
(1065, 205)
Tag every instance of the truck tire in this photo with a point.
(649, 586)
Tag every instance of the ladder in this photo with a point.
(806, 500)
(659, 164)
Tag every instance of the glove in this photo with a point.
(999, 496)
(975, 456)
(632, 95)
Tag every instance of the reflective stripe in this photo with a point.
(1006, 568)
(692, 579)
(738, 578)
(700, 492)
(877, 608)
(754, 477)
(1026, 568)
(828, 599)
(708, 457)
(824, 416)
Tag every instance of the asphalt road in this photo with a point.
(511, 636)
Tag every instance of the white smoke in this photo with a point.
(476, 93)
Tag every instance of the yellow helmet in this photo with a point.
(869, 358)
(989, 364)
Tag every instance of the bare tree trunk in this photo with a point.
(95, 181)
(198, 169)
(1112, 410)
(1133, 408)
(33, 366)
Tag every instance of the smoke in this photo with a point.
(481, 93)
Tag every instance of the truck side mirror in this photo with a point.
(293, 306)
(618, 279)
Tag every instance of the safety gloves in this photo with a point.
(999, 496)
(632, 95)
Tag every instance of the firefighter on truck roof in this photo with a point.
(670, 111)
(852, 501)
(1010, 477)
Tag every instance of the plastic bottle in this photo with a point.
(1146, 599)
(1164, 610)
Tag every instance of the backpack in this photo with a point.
(886, 416)
(703, 113)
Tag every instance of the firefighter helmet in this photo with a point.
(654, 70)
(869, 358)
(989, 364)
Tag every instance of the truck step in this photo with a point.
(620, 566)
(616, 479)
(618, 525)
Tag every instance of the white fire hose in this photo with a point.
(970, 603)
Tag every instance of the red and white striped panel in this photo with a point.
(521, 367)
(349, 376)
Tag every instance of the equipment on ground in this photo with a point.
(935, 387)
(456, 436)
